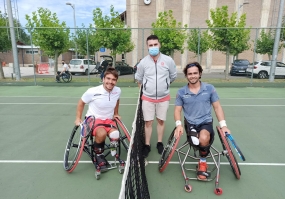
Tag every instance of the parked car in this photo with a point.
(108, 58)
(239, 67)
(81, 66)
(123, 68)
(261, 69)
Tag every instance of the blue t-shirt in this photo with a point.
(197, 107)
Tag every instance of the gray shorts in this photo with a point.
(151, 109)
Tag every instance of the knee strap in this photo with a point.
(99, 147)
(204, 150)
(114, 137)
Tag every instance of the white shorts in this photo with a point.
(151, 109)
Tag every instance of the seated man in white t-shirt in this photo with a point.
(103, 103)
(64, 70)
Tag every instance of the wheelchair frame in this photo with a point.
(86, 144)
(171, 146)
(66, 77)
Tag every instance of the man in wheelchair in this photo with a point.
(65, 71)
(103, 104)
(196, 99)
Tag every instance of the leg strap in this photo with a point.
(99, 147)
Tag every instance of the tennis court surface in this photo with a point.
(35, 123)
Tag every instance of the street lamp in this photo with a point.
(239, 7)
(73, 7)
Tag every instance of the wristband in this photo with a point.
(177, 123)
(222, 123)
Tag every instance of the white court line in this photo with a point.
(149, 162)
(129, 104)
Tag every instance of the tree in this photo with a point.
(170, 33)
(265, 44)
(198, 42)
(228, 33)
(111, 33)
(5, 42)
(48, 33)
(82, 35)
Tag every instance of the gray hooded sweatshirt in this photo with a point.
(156, 76)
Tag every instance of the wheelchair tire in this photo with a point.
(230, 156)
(168, 151)
(66, 77)
(73, 150)
(125, 136)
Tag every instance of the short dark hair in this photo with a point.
(152, 37)
(112, 71)
(192, 64)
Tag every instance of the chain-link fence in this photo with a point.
(34, 72)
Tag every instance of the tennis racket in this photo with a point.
(234, 144)
(87, 126)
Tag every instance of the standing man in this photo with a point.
(155, 73)
(196, 99)
(104, 66)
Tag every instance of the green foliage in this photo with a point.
(228, 33)
(265, 44)
(48, 33)
(111, 32)
(5, 42)
(198, 42)
(82, 35)
(170, 33)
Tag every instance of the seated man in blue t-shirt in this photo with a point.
(196, 99)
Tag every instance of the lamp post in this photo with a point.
(239, 7)
(73, 7)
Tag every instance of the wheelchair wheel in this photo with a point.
(73, 150)
(66, 77)
(125, 136)
(168, 151)
(230, 156)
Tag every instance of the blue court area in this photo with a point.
(35, 123)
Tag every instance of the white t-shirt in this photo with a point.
(101, 102)
(66, 67)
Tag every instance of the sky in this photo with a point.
(83, 9)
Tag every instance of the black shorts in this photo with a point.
(207, 126)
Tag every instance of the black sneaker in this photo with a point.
(159, 147)
(101, 161)
(146, 150)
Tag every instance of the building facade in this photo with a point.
(194, 13)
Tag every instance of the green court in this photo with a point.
(36, 122)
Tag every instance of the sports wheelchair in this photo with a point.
(78, 142)
(65, 77)
(183, 153)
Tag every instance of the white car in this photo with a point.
(261, 69)
(81, 66)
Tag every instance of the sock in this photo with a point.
(203, 159)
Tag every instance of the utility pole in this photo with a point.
(276, 42)
(13, 40)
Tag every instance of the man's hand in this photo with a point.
(77, 121)
(178, 131)
(225, 129)
(117, 116)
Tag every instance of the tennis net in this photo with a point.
(134, 183)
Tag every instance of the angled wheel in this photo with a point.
(229, 153)
(168, 151)
(66, 77)
(125, 136)
(73, 150)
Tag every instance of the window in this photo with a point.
(32, 52)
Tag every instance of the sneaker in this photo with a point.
(202, 169)
(101, 161)
(159, 147)
(146, 150)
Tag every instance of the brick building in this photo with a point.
(194, 13)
